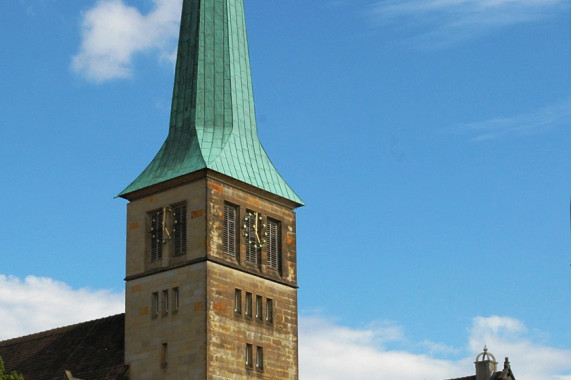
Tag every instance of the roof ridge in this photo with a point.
(50, 332)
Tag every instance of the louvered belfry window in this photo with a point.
(252, 248)
(156, 232)
(274, 245)
(229, 235)
(179, 229)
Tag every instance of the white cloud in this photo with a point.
(328, 350)
(334, 352)
(440, 23)
(543, 119)
(113, 33)
(511, 337)
(37, 304)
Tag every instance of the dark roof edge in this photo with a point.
(53, 331)
(203, 173)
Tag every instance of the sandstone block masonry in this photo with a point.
(205, 313)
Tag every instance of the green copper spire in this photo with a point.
(213, 122)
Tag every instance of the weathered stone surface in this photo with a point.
(205, 337)
(220, 192)
(184, 330)
(229, 332)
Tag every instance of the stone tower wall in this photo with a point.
(204, 336)
(183, 330)
(228, 331)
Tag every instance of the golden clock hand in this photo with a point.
(256, 229)
(165, 229)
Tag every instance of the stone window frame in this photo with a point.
(165, 302)
(248, 357)
(238, 301)
(259, 358)
(176, 299)
(248, 305)
(164, 355)
(269, 310)
(154, 305)
(259, 308)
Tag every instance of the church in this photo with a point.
(211, 277)
(211, 280)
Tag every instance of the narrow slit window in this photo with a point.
(155, 304)
(269, 310)
(179, 229)
(165, 302)
(260, 358)
(274, 245)
(229, 235)
(164, 355)
(249, 360)
(176, 299)
(259, 308)
(238, 301)
(248, 310)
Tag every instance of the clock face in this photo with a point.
(163, 225)
(254, 229)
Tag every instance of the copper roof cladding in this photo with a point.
(213, 122)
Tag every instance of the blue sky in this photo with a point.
(429, 139)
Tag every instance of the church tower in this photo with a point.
(211, 280)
